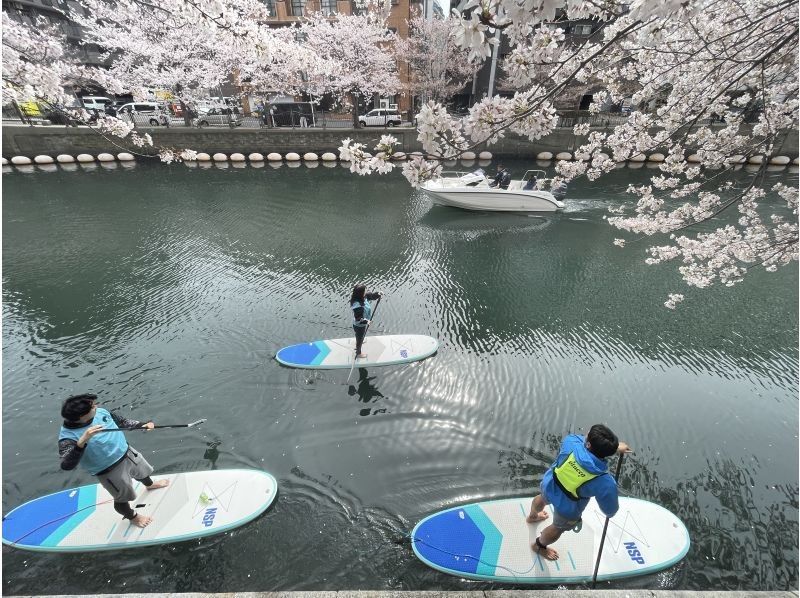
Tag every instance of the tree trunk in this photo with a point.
(356, 124)
(187, 119)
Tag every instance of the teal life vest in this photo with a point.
(367, 311)
(102, 450)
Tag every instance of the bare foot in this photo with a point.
(546, 552)
(141, 520)
(540, 516)
(361, 356)
(157, 485)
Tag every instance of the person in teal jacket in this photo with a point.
(107, 455)
(362, 313)
(579, 473)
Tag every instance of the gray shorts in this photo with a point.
(559, 520)
(120, 481)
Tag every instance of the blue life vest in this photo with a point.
(102, 450)
(367, 311)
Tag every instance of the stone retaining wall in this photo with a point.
(53, 140)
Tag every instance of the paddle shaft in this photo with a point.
(372, 317)
(154, 427)
(605, 527)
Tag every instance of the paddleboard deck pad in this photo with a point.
(338, 353)
(491, 541)
(193, 505)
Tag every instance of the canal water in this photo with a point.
(167, 290)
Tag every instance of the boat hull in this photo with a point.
(496, 200)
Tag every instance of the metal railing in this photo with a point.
(319, 119)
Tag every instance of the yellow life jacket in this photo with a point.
(569, 476)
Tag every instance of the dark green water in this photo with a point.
(167, 291)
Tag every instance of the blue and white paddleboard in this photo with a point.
(195, 504)
(491, 541)
(339, 352)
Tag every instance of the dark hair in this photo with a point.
(602, 441)
(359, 291)
(75, 407)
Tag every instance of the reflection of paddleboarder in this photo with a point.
(107, 456)
(579, 473)
(362, 312)
(366, 391)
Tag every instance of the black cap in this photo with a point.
(76, 406)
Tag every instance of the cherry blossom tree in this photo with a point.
(39, 66)
(438, 67)
(729, 61)
(358, 52)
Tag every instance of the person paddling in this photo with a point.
(579, 473)
(107, 456)
(362, 312)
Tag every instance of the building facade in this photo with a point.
(288, 12)
(575, 98)
(57, 13)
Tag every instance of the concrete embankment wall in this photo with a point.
(566, 593)
(53, 140)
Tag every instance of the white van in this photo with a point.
(96, 102)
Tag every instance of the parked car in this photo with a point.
(218, 117)
(142, 112)
(381, 117)
(96, 102)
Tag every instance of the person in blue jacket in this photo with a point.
(83, 439)
(579, 473)
(362, 312)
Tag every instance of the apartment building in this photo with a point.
(57, 13)
(577, 96)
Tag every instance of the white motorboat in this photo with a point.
(471, 191)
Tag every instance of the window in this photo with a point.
(582, 30)
(270, 4)
(297, 7)
(328, 7)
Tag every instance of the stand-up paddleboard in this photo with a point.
(339, 352)
(195, 504)
(491, 541)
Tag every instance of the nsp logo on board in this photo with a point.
(208, 517)
(634, 553)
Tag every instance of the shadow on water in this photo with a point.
(366, 392)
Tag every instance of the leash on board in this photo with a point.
(57, 519)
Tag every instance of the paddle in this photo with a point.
(605, 527)
(191, 425)
(377, 304)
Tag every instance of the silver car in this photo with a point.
(224, 117)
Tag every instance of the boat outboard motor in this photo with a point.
(560, 190)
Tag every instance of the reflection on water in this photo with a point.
(167, 290)
(366, 392)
